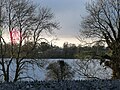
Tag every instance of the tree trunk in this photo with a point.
(116, 71)
(17, 71)
(115, 64)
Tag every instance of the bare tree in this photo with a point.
(103, 23)
(91, 69)
(27, 21)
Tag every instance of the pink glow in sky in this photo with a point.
(15, 36)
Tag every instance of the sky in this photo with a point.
(68, 13)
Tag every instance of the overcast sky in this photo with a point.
(68, 13)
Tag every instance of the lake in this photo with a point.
(84, 69)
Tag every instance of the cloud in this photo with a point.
(68, 13)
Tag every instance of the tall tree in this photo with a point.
(25, 23)
(103, 23)
(59, 70)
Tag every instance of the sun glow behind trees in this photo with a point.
(15, 36)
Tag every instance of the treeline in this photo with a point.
(45, 50)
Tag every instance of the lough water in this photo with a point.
(91, 68)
